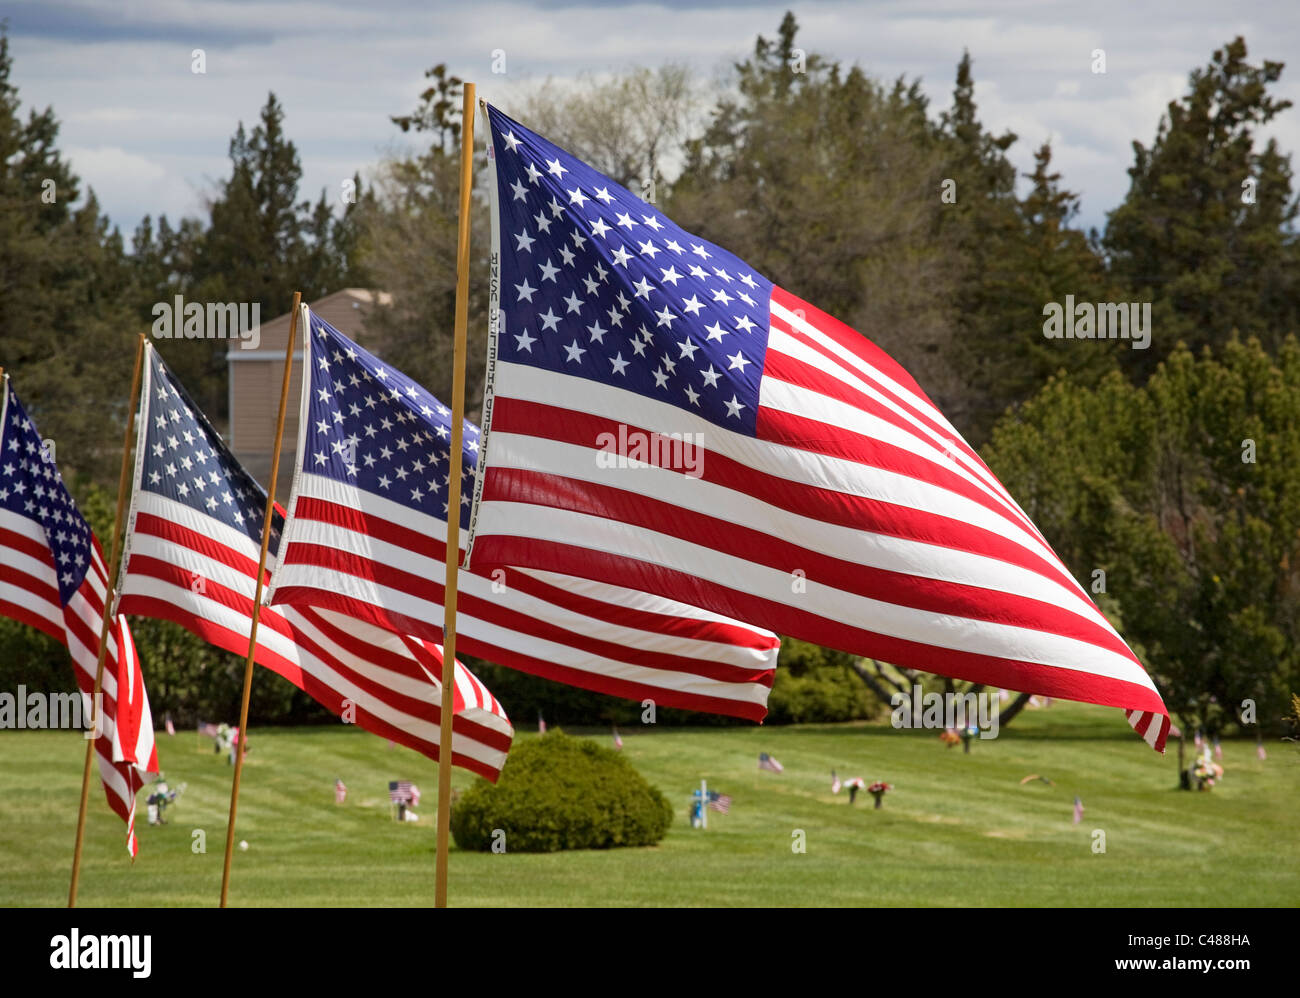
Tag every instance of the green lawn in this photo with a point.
(958, 830)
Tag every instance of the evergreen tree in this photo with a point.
(66, 331)
(1187, 237)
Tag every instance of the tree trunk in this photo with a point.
(1005, 717)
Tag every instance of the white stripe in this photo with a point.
(936, 629)
(859, 546)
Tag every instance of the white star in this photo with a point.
(525, 343)
(549, 319)
(574, 302)
(553, 166)
(566, 255)
(543, 223)
(711, 377)
(597, 333)
(737, 362)
(649, 249)
(574, 352)
(652, 222)
(692, 305)
(700, 251)
(622, 256)
(748, 281)
(745, 323)
(661, 379)
(722, 296)
(526, 291)
(511, 141)
(549, 270)
(693, 395)
(577, 197)
(666, 318)
(688, 349)
(534, 174)
(734, 407)
(671, 276)
(524, 241)
(626, 220)
(521, 192)
(643, 289)
(600, 227)
(618, 362)
(604, 195)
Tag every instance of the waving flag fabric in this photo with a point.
(367, 537)
(660, 414)
(193, 542)
(53, 578)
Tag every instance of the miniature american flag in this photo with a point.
(765, 761)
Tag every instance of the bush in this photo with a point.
(557, 792)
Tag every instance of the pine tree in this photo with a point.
(1187, 236)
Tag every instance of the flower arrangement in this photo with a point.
(1206, 771)
(949, 737)
(878, 790)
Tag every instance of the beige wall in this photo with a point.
(255, 378)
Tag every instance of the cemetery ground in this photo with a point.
(957, 830)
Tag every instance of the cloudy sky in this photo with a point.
(151, 136)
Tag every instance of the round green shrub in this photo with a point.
(558, 792)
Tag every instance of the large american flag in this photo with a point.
(53, 578)
(193, 542)
(367, 537)
(833, 501)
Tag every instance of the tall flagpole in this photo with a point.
(242, 747)
(453, 500)
(96, 701)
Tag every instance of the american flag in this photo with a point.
(660, 414)
(765, 761)
(193, 544)
(719, 802)
(618, 739)
(210, 730)
(53, 578)
(366, 536)
(340, 792)
(167, 723)
(1078, 810)
(404, 792)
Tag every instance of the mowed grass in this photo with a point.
(958, 830)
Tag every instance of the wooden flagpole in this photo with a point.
(453, 500)
(242, 746)
(123, 486)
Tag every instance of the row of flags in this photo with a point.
(679, 457)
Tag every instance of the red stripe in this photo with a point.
(827, 505)
(896, 588)
(785, 619)
(337, 559)
(237, 643)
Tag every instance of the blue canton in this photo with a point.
(372, 427)
(31, 487)
(186, 460)
(597, 283)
